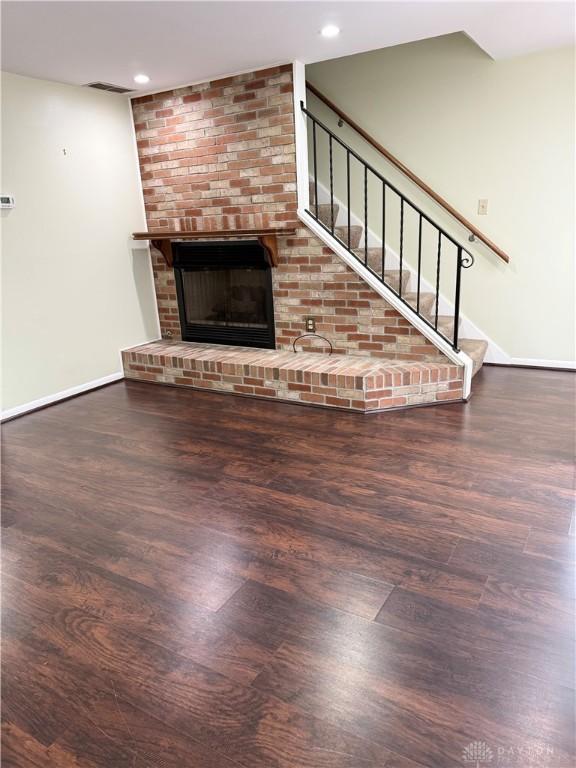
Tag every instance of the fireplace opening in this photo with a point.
(225, 293)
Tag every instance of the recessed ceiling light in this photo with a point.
(141, 79)
(330, 30)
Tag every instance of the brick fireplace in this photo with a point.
(221, 156)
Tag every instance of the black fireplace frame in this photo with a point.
(205, 255)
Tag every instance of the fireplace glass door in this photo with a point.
(225, 293)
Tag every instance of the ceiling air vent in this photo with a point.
(108, 87)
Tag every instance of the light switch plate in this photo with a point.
(483, 207)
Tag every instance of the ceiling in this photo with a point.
(177, 43)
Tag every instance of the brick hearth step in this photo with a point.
(339, 381)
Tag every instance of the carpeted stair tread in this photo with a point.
(446, 325)
(476, 349)
(356, 232)
(427, 302)
(324, 213)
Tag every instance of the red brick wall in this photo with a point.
(221, 155)
(311, 281)
(166, 297)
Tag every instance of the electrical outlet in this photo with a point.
(311, 325)
(482, 207)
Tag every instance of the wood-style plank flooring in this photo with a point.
(194, 580)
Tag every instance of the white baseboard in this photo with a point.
(538, 363)
(41, 402)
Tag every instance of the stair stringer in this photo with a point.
(458, 358)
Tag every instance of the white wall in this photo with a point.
(75, 289)
(475, 128)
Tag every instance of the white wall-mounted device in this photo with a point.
(7, 201)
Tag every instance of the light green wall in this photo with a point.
(75, 289)
(476, 128)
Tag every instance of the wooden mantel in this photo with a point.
(162, 240)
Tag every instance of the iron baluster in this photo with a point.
(383, 232)
(401, 242)
(331, 185)
(365, 215)
(438, 278)
(419, 263)
(348, 192)
(465, 261)
(315, 167)
(457, 298)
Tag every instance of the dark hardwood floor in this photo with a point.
(200, 581)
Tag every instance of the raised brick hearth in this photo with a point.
(355, 383)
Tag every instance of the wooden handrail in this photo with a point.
(407, 172)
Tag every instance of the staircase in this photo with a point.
(353, 188)
(424, 302)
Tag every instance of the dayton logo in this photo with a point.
(477, 754)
